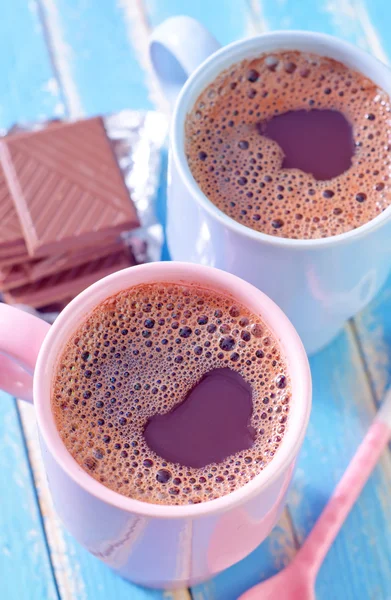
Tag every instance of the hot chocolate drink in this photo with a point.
(172, 394)
(292, 144)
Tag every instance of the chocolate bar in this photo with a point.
(11, 236)
(66, 284)
(16, 275)
(9, 255)
(66, 186)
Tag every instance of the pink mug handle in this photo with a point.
(21, 337)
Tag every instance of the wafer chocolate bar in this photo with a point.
(67, 284)
(66, 186)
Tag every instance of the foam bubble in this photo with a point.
(241, 170)
(139, 354)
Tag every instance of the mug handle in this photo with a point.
(177, 46)
(21, 337)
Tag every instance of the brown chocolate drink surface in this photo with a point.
(292, 144)
(172, 394)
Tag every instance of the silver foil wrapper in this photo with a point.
(137, 138)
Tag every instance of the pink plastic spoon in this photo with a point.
(297, 580)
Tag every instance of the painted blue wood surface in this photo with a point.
(25, 568)
(272, 555)
(373, 327)
(375, 19)
(161, 201)
(86, 58)
(358, 564)
(94, 57)
(95, 581)
(27, 91)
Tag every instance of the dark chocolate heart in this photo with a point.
(211, 423)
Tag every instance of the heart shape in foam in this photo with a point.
(317, 141)
(211, 423)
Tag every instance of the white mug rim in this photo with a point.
(192, 89)
(79, 307)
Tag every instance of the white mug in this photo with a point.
(319, 283)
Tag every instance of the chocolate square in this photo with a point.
(66, 185)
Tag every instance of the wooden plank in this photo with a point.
(271, 556)
(373, 329)
(139, 28)
(367, 20)
(28, 88)
(161, 204)
(358, 564)
(80, 576)
(373, 325)
(96, 64)
(28, 91)
(348, 19)
(24, 558)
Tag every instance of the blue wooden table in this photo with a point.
(71, 58)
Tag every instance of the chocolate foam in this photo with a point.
(139, 354)
(241, 171)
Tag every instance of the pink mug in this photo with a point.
(153, 545)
